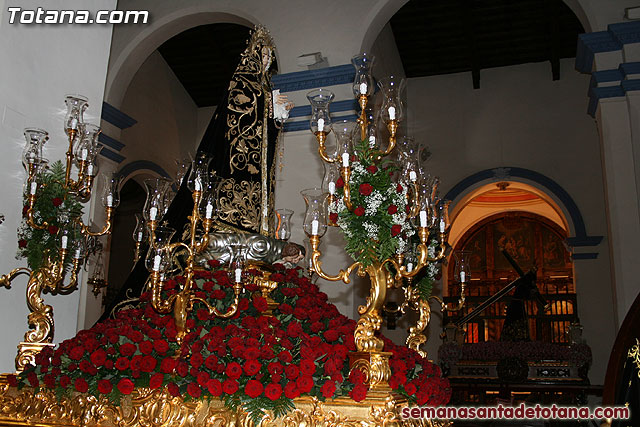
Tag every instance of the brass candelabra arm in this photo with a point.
(85, 189)
(106, 229)
(343, 275)
(68, 182)
(346, 175)
(321, 136)
(233, 308)
(73, 279)
(204, 241)
(415, 207)
(5, 280)
(392, 126)
(442, 248)
(443, 305)
(136, 254)
(160, 305)
(30, 219)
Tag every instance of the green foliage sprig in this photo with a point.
(54, 204)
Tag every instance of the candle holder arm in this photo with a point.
(106, 229)
(5, 280)
(343, 275)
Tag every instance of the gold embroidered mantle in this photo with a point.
(157, 408)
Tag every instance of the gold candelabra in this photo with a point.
(391, 272)
(50, 275)
(159, 259)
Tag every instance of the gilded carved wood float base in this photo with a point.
(156, 408)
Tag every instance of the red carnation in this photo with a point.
(148, 363)
(76, 353)
(333, 217)
(161, 346)
(81, 385)
(105, 386)
(98, 357)
(168, 364)
(230, 386)
(285, 357)
(56, 201)
(339, 183)
(127, 349)
(33, 379)
(395, 230)
(331, 335)
(359, 211)
(307, 366)
(233, 371)
(410, 388)
(291, 390)
(194, 390)
(399, 188)
(214, 387)
(359, 392)
(53, 230)
(328, 388)
(392, 209)
(12, 380)
(273, 391)
(25, 210)
(146, 347)
(372, 169)
(125, 386)
(196, 360)
(253, 388)
(156, 380)
(64, 381)
(173, 389)
(365, 189)
(260, 303)
(291, 371)
(304, 383)
(122, 363)
(22, 243)
(252, 367)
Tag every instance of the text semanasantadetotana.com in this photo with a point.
(523, 411)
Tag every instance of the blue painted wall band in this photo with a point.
(111, 155)
(110, 142)
(116, 117)
(311, 79)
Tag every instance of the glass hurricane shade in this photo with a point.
(462, 269)
(237, 262)
(363, 81)
(283, 224)
(32, 153)
(199, 176)
(158, 257)
(208, 207)
(315, 216)
(111, 190)
(140, 231)
(76, 105)
(343, 130)
(331, 175)
(320, 118)
(154, 205)
(86, 146)
(392, 108)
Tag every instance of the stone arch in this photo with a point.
(135, 51)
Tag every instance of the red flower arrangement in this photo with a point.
(254, 361)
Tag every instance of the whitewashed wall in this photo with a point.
(39, 65)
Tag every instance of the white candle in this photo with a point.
(140, 236)
(410, 267)
(209, 210)
(463, 276)
(332, 188)
(283, 233)
(320, 125)
(198, 184)
(238, 273)
(34, 187)
(90, 170)
(413, 176)
(345, 160)
(314, 227)
(83, 154)
(392, 113)
(363, 88)
(109, 200)
(153, 212)
(423, 219)
(74, 123)
(64, 242)
(372, 141)
(156, 263)
(442, 225)
(78, 254)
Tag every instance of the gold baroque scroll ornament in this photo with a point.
(239, 203)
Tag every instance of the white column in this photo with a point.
(621, 189)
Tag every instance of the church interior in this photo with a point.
(230, 148)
